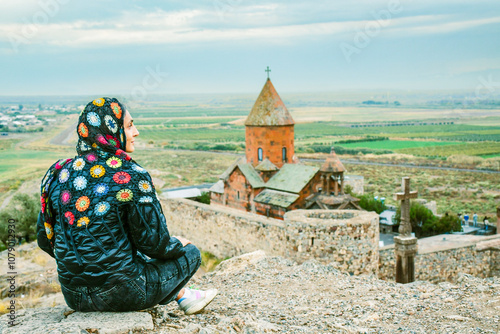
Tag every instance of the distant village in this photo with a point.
(18, 118)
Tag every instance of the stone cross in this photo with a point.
(406, 246)
(404, 197)
(498, 220)
(268, 70)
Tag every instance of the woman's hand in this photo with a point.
(184, 241)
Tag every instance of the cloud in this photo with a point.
(474, 66)
(264, 22)
(446, 27)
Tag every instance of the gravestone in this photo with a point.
(405, 243)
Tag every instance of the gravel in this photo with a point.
(270, 294)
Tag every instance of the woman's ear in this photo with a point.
(123, 139)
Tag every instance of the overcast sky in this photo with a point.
(135, 47)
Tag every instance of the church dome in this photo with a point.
(269, 109)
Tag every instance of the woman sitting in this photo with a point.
(102, 222)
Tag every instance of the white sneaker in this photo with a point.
(196, 301)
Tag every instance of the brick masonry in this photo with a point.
(240, 194)
(272, 140)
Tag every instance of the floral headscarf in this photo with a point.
(102, 177)
(101, 126)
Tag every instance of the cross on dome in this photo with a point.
(268, 70)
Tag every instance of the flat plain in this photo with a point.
(192, 142)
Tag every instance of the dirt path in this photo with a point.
(64, 136)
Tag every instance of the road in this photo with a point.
(64, 136)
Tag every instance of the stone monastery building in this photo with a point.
(270, 180)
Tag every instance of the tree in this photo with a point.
(445, 224)
(369, 203)
(425, 224)
(24, 209)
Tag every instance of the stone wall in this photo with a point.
(223, 231)
(495, 263)
(348, 239)
(444, 265)
(357, 182)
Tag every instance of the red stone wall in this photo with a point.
(278, 212)
(329, 184)
(309, 189)
(237, 184)
(216, 198)
(271, 139)
(274, 211)
(266, 176)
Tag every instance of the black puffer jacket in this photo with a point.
(110, 249)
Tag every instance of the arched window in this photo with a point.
(260, 154)
(283, 153)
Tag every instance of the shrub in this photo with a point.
(204, 198)
(425, 224)
(348, 190)
(24, 209)
(369, 203)
(445, 224)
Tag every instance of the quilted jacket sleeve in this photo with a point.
(149, 232)
(41, 236)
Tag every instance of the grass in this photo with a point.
(486, 156)
(209, 261)
(221, 134)
(396, 144)
(306, 131)
(193, 167)
(453, 191)
(489, 149)
(183, 121)
(189, 111)
(30, 158)
(6, 144)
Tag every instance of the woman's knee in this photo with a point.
(193, 255)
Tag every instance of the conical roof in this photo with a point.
(332, 164)
(269, 109)
(266, 166)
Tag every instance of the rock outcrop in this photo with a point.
(260, 294)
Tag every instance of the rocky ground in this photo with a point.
(260, 294)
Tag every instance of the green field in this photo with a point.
(487, 156)
(461, 137)
(188, 121)
(221, 134)
(321, 130)
(190, 111)
(394, 145)
(451, 132)
(484, 149)
(207, 126)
